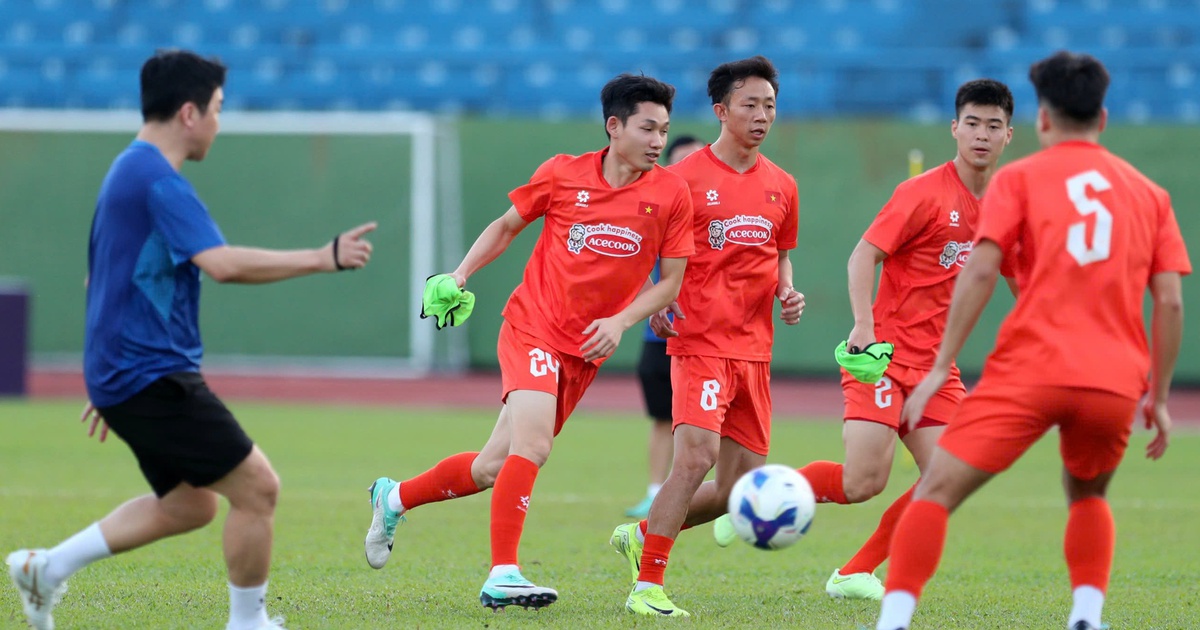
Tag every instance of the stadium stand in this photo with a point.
(548, 57)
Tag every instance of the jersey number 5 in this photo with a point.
(1077, 244)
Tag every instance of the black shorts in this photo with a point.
(654, 370)
(179, 431)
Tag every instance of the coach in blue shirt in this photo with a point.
(151, 237)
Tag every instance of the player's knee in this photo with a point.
(861, 486)
(695, 461)
(1079, 489)
(205, 511)
(199, 510)
(483, 472)
(265, 491)
(536, 450)
(257, 489)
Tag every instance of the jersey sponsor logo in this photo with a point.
(955, 253)
(954, 218)
(581, 198)
(740, 230)
(712, 198)
(603, 238)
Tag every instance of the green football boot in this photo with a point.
(625, 541)
(854, 586)
(654, 602)
(723, 531)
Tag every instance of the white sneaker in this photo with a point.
(27, 569)
(384, 520)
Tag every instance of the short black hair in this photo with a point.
(984, 92)
(681, 141)
(725, 77)
(1072, 86)
(172, 78)
(621, 96)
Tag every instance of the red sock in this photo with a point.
(449, 479)
(875, 550)
(917, 546)
(644, 526)
(654, 558)
(826, 481)
(1089, 542)
(510, 502)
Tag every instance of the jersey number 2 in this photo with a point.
(1077, 245)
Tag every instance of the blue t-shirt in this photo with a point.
(143, 293)
(650, 336)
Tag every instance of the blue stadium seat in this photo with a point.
(549, 57)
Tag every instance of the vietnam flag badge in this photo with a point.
(647, 209)
(774, 197)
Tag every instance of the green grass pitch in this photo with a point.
(1003, 565)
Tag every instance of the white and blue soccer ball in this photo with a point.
(772, 506)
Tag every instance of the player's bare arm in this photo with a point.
(1166, 329)
(605, 334)
(972, 290)
(492, 242)
(250, 265)
(646, 285)
(860, 271)
(791, 300)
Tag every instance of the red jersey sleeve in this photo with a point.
(533, 199)
(898, 221)
(678, 241)
(1002, 213)
(789, 231)
(1170, 254)
(1008, 265)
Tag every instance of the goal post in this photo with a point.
(430, 188)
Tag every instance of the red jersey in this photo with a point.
(741, 223)
(597, 247)
(1091, 230)
(927, 231)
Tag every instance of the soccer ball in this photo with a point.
(771, 507)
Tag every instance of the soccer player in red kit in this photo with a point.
(922, 237)
(1094, 234)
(608, 215)
(746, 220)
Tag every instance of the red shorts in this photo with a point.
(529, 363)
(883, 401)
(726, 396)
(998, 422)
